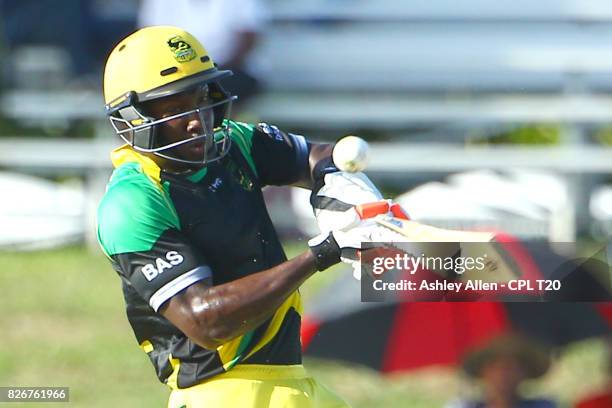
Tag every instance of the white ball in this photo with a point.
(351, 154)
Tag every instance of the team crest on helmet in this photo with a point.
(181, 49)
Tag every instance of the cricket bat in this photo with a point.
(418, 232)
(427, 241)
(396, 229)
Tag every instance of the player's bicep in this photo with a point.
(166, 269)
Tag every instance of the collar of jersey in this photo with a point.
(125, 154)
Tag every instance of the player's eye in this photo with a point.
(171, 112)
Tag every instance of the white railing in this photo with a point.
(90, 159)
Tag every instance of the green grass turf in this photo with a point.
(63, 324)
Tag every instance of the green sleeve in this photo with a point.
(134, 213)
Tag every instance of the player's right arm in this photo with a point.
(140, 232)
(213, 315)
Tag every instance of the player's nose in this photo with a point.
(194, 125)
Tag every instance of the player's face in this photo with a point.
(181, 125)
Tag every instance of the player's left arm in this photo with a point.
(319, 160)
(283, 158)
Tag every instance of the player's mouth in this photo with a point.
(197, 148)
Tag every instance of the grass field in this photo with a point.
(63, 324)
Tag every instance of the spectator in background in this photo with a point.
(502, 365)
(604, 398)
(229, 28)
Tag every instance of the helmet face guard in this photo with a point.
(143, 132)
(159, 62)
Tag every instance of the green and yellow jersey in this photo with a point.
(164, 232)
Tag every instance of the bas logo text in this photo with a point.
(151, 271)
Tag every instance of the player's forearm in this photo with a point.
(232, 309)
(319, 154)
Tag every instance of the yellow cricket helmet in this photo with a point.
(157, 62)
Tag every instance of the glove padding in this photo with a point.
(347, 246)
(344, 205)
(333, 203)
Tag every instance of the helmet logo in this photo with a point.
(181, 49)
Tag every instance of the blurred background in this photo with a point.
(480, 114)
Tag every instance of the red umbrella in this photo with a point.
(404, 336)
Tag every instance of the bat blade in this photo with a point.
(416, 232)
(440, 242)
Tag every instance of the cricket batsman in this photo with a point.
(211, 297)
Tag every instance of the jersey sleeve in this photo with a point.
(139, 230)
(278, 158)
